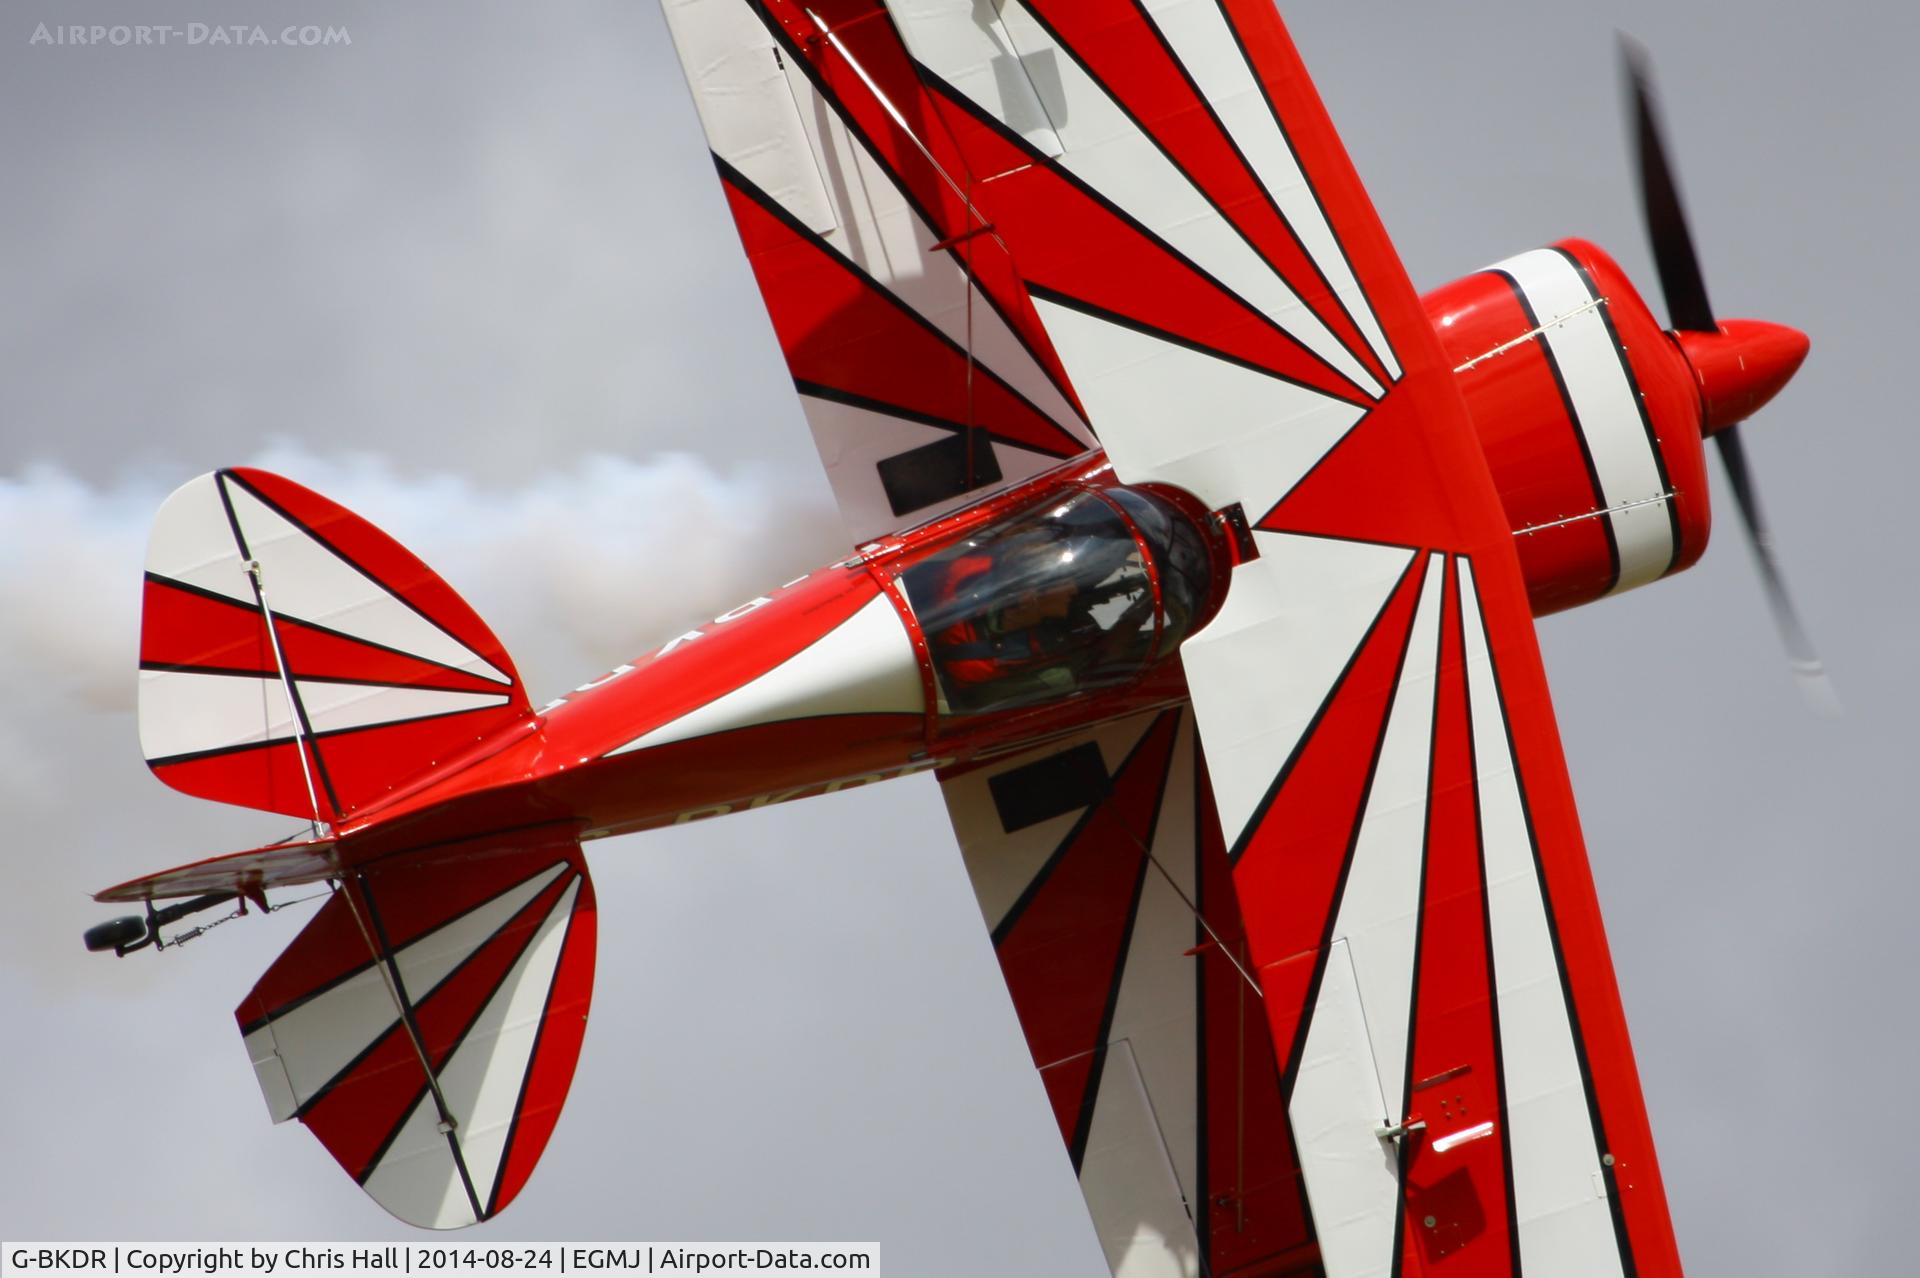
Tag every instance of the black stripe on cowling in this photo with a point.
(1573, 419)
(1639, 403)
(1614, 1205)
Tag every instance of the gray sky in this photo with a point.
(471, 275)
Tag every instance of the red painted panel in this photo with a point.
(1061, 948)
(1455, 1181)
(1532, 445)
(182, 627)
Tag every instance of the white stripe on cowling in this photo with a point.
(1560, 1205)
(1606, 410)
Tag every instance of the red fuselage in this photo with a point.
(833, 680)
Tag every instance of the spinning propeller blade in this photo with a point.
(1739, 365)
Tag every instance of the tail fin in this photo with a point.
(257, 588)
(425, 1024)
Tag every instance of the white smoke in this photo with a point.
(575, 568)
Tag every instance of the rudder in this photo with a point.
(256, 586)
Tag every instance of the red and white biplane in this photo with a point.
(1194, 554)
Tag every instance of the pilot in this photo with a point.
(1032, 625)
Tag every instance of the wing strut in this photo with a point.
(383, 957)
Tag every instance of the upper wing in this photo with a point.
(925, 374)
(1370, 701)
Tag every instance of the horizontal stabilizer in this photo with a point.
(425, 1024)
(275, 866)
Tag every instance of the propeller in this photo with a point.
(1739, 364)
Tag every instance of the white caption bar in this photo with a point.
(259, 1260)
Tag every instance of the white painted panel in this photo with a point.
(1379, 910)
(1108, 152)
(746, 106)
(853, 441)
(1260, 670)
(1565, 1223)
(1224, 432)
(880, 232)
(317, 1039)
(333, 707)
(965, 43)
(865, 665)
(1001, 865)
(1353, 1178)
(192, 542)
(183, 713)
(416, 1179)
(1129, 1182)
(1606, 408)
(1156, 1010)
(1198, 32)
(305, 580)
(482, 1083)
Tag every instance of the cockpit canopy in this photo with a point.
(1081, 594)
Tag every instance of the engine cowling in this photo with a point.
(1591, 417)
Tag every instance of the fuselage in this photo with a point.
(980, 631)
